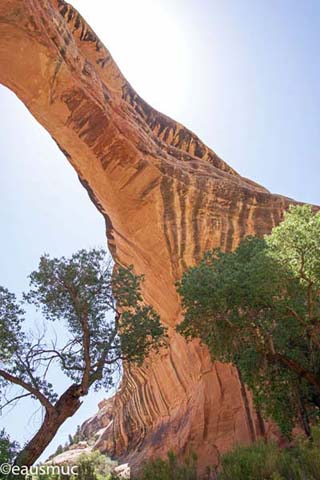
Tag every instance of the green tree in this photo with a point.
(8, 449)
(78, 435)
(106, 323)
(58, 451)
(259, 308)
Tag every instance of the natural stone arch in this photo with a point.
(166, 198)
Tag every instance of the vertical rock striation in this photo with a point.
(166, 198)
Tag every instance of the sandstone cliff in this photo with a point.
(166, 198)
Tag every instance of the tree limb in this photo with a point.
(15, 399)
(32, 390)
(295, 367)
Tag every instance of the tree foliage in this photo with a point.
(8, 448)
(105, 322)
(11, 315)
(259, 308)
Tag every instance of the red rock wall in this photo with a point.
(166, 198)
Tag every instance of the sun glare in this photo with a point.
(149, 45)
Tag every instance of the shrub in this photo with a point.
(92, 466)
(170, 469)
(99, 465)
(266, 461)
(255, 462)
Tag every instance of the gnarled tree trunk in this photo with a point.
(66, 407)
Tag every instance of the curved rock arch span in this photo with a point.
(166, 198)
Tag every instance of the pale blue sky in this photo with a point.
(244, 75)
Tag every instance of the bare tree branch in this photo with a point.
(32, 390)
(15, 399)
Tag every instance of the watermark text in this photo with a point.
(35, 471)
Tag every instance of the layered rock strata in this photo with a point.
(166, 198)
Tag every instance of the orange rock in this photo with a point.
(166, 198)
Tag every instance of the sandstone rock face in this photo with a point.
(166, 199)
(98, 430)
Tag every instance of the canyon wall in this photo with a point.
(166, 198)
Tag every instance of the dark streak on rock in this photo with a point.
(152, 185)
(242, 219)
(86, 70)
(182, 192)
(64, 9)
(230, 232)
(177, 372)
(195, 225)
(70, 15)
(77, 22)
(247, 408)
(109, 226)
(170, 221)
(89, 36)
(65, 153)
(141, 166)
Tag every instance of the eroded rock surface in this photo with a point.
(166, 198)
